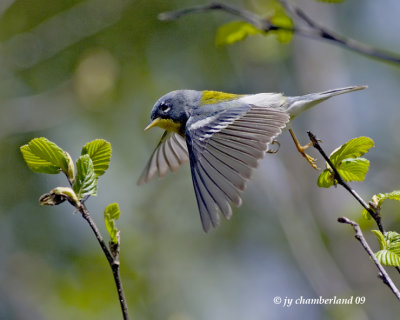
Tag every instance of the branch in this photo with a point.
(314, 31)
(372, 211)
(353, 45)
(112, 257)
(375, 215)
(382, 272)
(255, 20)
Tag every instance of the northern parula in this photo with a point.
(223, 136)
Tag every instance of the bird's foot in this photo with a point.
(274, 142)
(312, 161)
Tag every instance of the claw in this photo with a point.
(312, 161)
(275, 151)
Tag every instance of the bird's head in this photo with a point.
(172, 110)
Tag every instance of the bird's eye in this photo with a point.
(165, 108)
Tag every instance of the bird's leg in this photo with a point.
(301, 149)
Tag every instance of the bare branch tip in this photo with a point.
(354, 224)
(170, 15)
(343, 220)
(313, 138)
(164, 16)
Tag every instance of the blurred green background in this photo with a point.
(75, 70)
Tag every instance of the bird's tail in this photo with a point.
(297, 105)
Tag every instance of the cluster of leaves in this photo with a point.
(44, 156)
(351, 167)
(377, 201)
(235, 31)
(348, 162)
(389, 243)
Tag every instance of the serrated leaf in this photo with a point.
(282, 20)
(395, 247)
(86, 179)
(44, 156)
(111, 214)
(353, 169)
(234, 31)
(348, 163)
(352, 149)
(349, 170)
(392, 237)
(389, 253)
(100, 152)
(378, 199)
(388, 258)
(325, 179)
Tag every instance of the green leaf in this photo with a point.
(325, 179)
(381, 239)
(353, 169)
(44, 156)
(112, 213)
(352, 149)
(100, 152)
(389, 253)
(234, 31)
(393, 238)
(378, 199)
(71, 168)
(349, 169)
(86, 179)
(282, 20)
(366, 214)
(347, 162)
(388, 258)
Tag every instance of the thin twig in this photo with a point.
(328, 35)
(113, 261)
(255, 20)
(382, 272)
(314, 31)
(341, 182)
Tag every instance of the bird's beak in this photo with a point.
(152, 124)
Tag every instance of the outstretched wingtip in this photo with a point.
(338, 91)
(297, 105)
(355, 88)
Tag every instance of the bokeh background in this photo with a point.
(74, 70)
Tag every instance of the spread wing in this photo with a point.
(169, 154)
(225, 148)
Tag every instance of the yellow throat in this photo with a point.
(166, 124)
